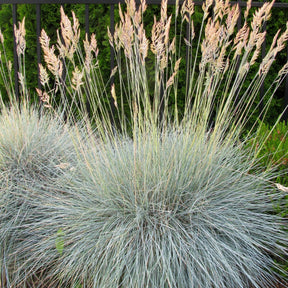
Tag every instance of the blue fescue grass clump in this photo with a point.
(32, 144)
(149, 197)
(32, 148)
(176, 209)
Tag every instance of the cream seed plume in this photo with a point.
(20, 33)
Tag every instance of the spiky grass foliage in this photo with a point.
(32, 147)
(158, 199)
(172, 210)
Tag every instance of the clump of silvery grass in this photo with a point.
(159, 199)
(32, 148)
(176, 209)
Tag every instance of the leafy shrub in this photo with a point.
(274, 148)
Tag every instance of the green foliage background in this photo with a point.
(99, 21)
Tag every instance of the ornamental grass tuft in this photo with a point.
(32, 148)
(175, 209)
(152, 195)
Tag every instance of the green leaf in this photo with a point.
(59, 242)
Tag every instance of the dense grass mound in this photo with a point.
(32, 148)
(169, 210)
(155, 197)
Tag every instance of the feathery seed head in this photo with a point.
(172, 77)
(205, 7)
(44, 97)
(120, 13)
(164, 10)
(44, 40)
(90, 48)
(277, 45)
(44, 77)
(66, 29)
(69, 38)
(77, 78)
(283, 71)
(218, 10)
(160, 40)
(124, 35)
(20, 37)
(241, 40)
(21, 79)
(242, 35)
(110, 37)
(260, 40)
(261, 15)
(282, 39)
(53, 62)
(187, 7)
(93, 44)
(131, 7)
(232, 18)
(143, 43)
(248, 7)
(113, 72)
(172, 47)
(76, 30)
(244, 68)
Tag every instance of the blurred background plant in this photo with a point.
(274, 148)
